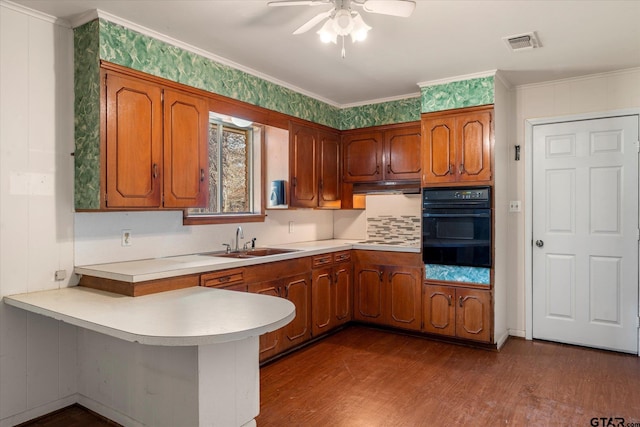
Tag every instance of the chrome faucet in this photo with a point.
(239, 234)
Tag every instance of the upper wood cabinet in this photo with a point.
(156, 149)
(457, 146)
(133, 143)
(186, 120)
(387, 153)
(314, 167)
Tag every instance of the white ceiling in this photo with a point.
(442, 39)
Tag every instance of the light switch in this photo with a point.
(514, 206)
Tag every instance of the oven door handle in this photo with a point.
(480, 215)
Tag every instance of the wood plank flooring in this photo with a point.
(369, 377)
(71, 416)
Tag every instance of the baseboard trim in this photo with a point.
(39, 411)
(107, 412)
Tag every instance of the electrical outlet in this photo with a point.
(290, 227)
(60, 275)
(126, 238)
(514, 206)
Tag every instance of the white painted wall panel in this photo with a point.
(37, 355)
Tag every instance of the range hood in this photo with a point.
(387, 187)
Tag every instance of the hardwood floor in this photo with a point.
(369, 377)
(71, 416)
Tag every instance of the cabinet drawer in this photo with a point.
(223, 278)
(320, 260)
(342, 256)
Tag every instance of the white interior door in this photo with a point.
(585, 233)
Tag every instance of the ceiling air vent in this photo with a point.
(522, 41)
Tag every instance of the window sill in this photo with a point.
(222, 219)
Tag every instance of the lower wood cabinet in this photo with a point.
(387, 294)
(293, 283)
(331, 291)
(231, 279)
(457, 312)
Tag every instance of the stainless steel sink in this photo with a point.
(255, 253)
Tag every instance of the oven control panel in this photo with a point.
(469, 195)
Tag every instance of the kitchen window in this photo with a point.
(233, 174)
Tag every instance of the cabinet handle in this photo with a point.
(224, 279)
(155, 170)
(449, 300)
(201, 175)
(451, 170)
(460, 301)
(461, 168)
(377, 169)
(388, 168)
(381, 275)
(294, 181)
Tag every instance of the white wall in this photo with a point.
(158, 234)
(589, 94)
(504, 240)
(37, 355)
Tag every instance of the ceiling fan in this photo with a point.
(343, 20)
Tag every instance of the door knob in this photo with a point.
(539, 243)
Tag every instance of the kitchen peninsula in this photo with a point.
(182, 357)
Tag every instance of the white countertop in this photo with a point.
(161, 268)
(184, 317)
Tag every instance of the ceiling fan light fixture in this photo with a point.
(360, 29)
(327, 33)
(343, 22)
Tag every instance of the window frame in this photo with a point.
(259, 208)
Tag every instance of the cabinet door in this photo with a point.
(271, 342)
(321, 290)
(297, 289)
(302, 166)
(133, 143)
(438, 151)
(439, 311)
(368, 294)
(404, 297)
(473, 132)
(402, 154)
(362, 157)
(329, 183)
(186, 119)
(473, 314)
(343, 291)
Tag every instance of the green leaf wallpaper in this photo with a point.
(87, 116)
(464, 93)
(404, 110)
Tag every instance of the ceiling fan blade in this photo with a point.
(298, 2)
(401, 8)
(313, 22)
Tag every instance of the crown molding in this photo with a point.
(206, 54)
(35, 14)
(490, 73)
(382, 100)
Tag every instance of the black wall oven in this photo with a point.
(456, 226)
